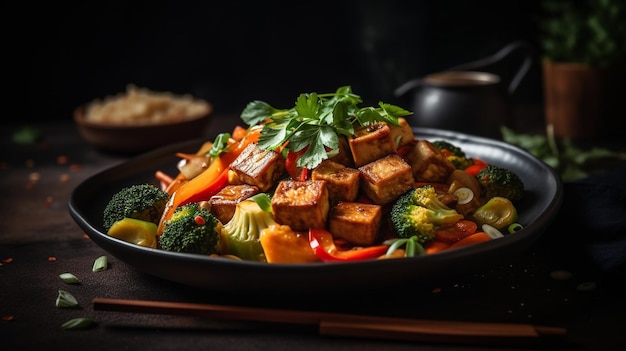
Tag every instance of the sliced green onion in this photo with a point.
(515, 227)
(410, 248)
(78, 323)
(492, 231)
(264, 201)
(465, 195)
(394, 244)
(100, 264)
(69, 278)
(66, 300)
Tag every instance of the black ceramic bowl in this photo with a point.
(540, 205)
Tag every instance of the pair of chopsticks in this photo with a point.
(349, 325)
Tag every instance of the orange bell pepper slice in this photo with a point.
(209, 182)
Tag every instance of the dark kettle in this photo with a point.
(466, 98)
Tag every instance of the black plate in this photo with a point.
(541, 203)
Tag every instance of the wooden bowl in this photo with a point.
(133, 139)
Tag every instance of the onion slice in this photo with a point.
(492, 231)
(465, 195)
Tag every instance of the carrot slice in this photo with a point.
(435, 246)
(478, 237)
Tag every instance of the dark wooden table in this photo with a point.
(39, 240)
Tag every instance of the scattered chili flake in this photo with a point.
(7, 260)
(199, 220)
(34, 177)
(85, 236)
(49, 201)
(436, 290)
(7, 318)
(29, 185)
(62, 159)
(52, 259)
(76, 168)
(65, 177)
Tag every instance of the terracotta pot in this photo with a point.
(580, 101)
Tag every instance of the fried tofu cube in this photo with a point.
(301, 204)
(259, 167)
(428, 163)
(224, 202)
(357, 223)
(385, 179)
(343, 156)
(342, 181)
(402, 134)
(371, 142)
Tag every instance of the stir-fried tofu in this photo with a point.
(301, 204)
(223, 203)
(357, 223)
(259, 167)
(342, 181)
(429, 164)
(343, 155)
(385, 179)
(371, 142)
(402, 134)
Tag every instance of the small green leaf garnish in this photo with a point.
(69, 278)
(219, 144)
(26, 135)
(100, 264)
(316, 122)
(65, 300)
(78, 323)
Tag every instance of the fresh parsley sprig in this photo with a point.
(315, 123)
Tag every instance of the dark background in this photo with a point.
(233, 52)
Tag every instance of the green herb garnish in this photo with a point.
(100, 264)
(65, 300)
(316, 122)
(26, 135)
(219, 145)
(78, 323)
(69, 278)
(411, 245)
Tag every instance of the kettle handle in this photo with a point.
(500, 55)
(407, 86)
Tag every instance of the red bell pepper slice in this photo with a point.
(323, 246)
(295, 172)
(476, 167)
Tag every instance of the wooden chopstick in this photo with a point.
(347, 325)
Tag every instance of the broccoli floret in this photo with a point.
(241, 235)
(499, 181)
(144, 202)
(454, 154)
(419, 212)
(191, 229)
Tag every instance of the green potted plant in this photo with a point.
(583, 44)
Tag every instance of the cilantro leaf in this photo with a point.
(316, 122)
